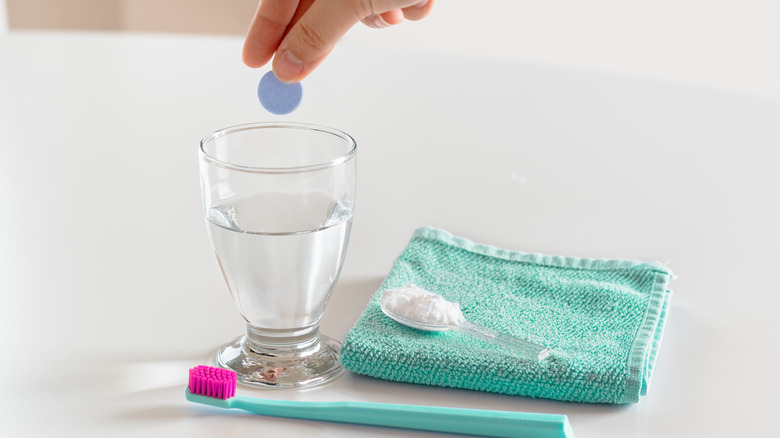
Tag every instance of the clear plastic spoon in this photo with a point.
(526, 348)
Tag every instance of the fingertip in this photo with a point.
(418, 11)
(393, 17)
(254, 56)
(287, 67)
(250, 61)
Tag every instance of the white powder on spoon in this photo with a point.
(420, 306)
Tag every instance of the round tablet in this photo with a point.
(278, 97)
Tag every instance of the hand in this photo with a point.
(303, 32)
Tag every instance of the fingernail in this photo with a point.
(288, 67)
(421, 4)
(380, 22)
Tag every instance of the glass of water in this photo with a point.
(278, 199)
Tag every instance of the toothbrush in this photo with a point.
(217, 387)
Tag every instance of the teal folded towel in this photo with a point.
(601, 319)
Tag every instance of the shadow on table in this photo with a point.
(153, 392)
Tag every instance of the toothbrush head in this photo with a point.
(212, 382)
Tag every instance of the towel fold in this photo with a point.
(602, 320)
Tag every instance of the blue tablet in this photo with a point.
(278, 97)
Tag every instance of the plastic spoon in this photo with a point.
(526, 348)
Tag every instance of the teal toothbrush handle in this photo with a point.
(429, 418)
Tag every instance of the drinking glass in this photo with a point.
(278, 199)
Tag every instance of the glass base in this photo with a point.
(312, 364)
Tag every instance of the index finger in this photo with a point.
(269, 25)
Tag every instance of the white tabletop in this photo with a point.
(110, 291)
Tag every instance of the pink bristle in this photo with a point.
(212, 382)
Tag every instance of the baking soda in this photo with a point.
(420, 306)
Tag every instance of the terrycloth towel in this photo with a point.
(602, 319)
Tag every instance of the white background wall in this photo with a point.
(730, 45)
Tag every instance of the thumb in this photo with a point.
(313, 36)
(319, 29)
